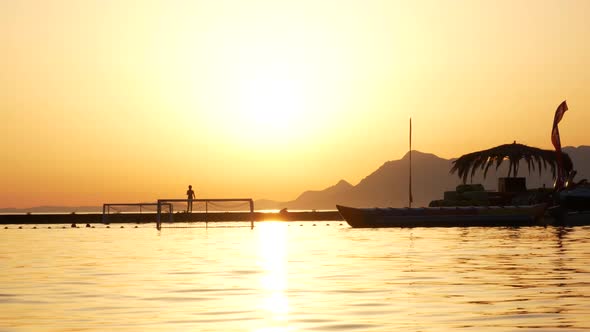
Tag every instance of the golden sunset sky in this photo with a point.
(106, 101)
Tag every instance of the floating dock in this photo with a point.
(97, 218)
(146, 218)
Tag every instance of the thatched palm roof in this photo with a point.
(468, 164)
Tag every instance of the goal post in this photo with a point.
(140, 208)
(207, 203)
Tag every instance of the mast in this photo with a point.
(410, 182)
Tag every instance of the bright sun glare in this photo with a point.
(268, 105)
(270, 101)
(273, 255)
(271, 106)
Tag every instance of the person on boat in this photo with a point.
(190, 194)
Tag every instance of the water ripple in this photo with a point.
(280, 278)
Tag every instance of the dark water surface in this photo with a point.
(294, 277)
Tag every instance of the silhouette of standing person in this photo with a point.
(190, 194)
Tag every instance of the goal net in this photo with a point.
(140, 210)
(204, 210)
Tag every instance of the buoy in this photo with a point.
(87, 225)
(20, 227)
(108, 226)
(5, 227)
(327, 224)
(92, 226)
(136, 227)
(74, 225)
(313, 224)
(122, 227)
(49, 227)
(34, 227)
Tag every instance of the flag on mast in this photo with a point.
(556, 140)
(411, 199)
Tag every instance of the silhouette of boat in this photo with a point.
(492, 216)
(459, 216)
(573, 206)
(576, 199)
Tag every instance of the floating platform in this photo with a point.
(96, 218)
(580, 219)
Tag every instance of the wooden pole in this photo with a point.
(410, 182)
(158, 220)
(251, 214)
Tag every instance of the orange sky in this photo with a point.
(106, 101)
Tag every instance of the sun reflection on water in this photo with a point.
(272, 245)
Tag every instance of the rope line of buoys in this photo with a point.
(107, 225)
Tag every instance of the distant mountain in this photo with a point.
(389, 184)
(581, 158)
(324, 197)
(52, 209)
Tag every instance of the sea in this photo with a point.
(293, 276)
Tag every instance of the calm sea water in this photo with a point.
(294, 277)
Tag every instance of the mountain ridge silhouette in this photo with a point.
(388, 185)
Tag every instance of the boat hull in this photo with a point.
(573, 207)
(496, 216)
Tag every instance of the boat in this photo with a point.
(573, 206)
(576, 199)
(456, 216)
(468, 216)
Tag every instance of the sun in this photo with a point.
(269, 106)
(270, 102)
